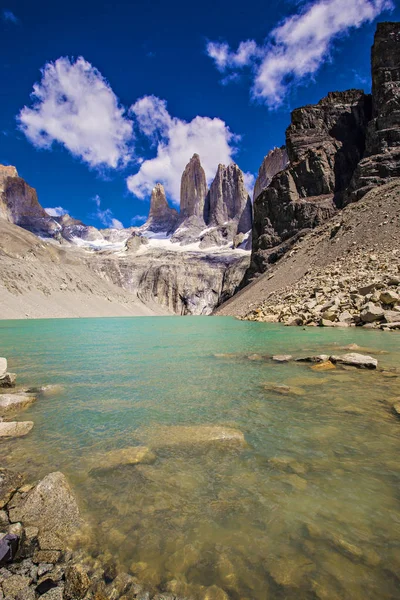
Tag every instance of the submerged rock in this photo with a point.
(132, 455)
(191, 435)
(13, 429)
(284, 390)
(324, 366)
(282, 358)
(354, 359)
(51, 507)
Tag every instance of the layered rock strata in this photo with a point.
(324, 144)
(381, 161)
(19, 204)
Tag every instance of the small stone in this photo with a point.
(396, 409)
(14, 585)
(282, 358)
(46, 556)
(8, 380)
(323, 366)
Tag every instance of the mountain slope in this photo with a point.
(354, 248)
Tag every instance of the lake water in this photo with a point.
(308, 509)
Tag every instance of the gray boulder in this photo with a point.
(354, 359)
(13, 429)
(12, 403)
(51, 507)
(371, 312)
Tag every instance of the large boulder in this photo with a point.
(13, 429)
(8, 380)
(371, 312)
(12, 403)
(51, 507)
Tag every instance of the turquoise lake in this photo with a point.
(308, 508)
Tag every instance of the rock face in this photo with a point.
(275, 161)
(193, 189)
(228, 199)
(19, 204)
(381, 161)
(324, 144)
(161, 216)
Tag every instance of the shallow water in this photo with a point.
(323, 521)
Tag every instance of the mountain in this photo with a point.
(326, 231)
(78, 270)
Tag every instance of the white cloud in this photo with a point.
(178, 140)
(105, 216)
(297, 47)
(138, 219)
(75, 106)
(249, 181)
(9, 17)
(57, 211)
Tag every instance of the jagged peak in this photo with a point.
(8, 171)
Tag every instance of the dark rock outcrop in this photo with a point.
(19, 204)
(324, 144)
(275, 161)
(381, 161)
(161, 216)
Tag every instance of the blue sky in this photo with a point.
(156, 82)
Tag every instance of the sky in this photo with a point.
(101, 100)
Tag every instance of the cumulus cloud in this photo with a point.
(106, 216)
(57, 211)
(75, 106)
(9, 17)
(298, 47)
(138, 219)
(177, 141)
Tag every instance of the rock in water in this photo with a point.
(51, 507)
(11, 403)
(229, 199)
(355, 360)
(275, 161)
(161, 216)
(186, 435)
(193, 189)
(15, 428)
(3, 366)
(132, 455)
(8, 380)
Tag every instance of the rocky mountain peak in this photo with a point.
(161, 216)
(19, 204)
(275, 161)
(229, 199)
(193, 189)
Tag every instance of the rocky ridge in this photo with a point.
(338, 150)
